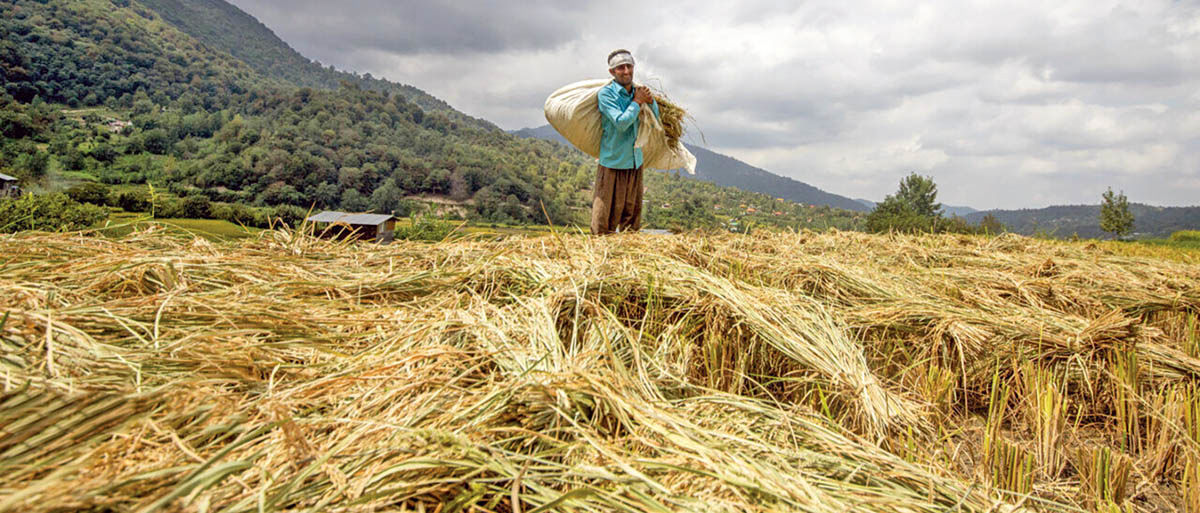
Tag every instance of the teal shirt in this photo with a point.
(620, 126)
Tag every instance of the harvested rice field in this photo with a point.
(818, 372)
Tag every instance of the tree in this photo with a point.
(1115, 216)
(919, 194)
(387, 198)
(990, 225)
(913, 208)
(893, 214)
(32, 165)
(354, 201)
(156, 141)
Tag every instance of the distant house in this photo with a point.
(116, 125)
(8, 186)
(374, 227)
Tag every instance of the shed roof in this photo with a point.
(352, 219)
(6, 178)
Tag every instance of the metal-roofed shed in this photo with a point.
(8, 185)
(376, 227)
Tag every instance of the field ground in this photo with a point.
(121, 224)
(813, 372)
(1175, 244)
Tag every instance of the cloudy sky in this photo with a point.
(1006, 104)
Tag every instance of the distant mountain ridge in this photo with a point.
(226, 28)
(728, 171)
(949, 210)
(1084, 220)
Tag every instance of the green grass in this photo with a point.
(1154, 248)
(1186, 236)
(1178, 244)
(123, 223)
(73, 177)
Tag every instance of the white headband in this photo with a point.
(619, 59)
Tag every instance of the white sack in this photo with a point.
(574, 110)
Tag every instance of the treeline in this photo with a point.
(1084, 220)
(678, 203)
(914, 209)
(350, 149)
(169, 205)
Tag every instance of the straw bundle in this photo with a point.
(672, 117)
(794, 372)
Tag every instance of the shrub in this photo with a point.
(239, 214)
(48, 212)
(196, 206)
(1186, 236)
(90, 192)
(167, 208)
(134, 201)
(424, 227)
(290, 214)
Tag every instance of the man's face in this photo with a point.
(623, 74)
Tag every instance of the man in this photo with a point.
(617, 197)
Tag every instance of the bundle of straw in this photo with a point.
(672, 117)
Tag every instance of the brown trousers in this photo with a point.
(617, 200)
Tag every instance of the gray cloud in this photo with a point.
(1010, 104)
(419, 27)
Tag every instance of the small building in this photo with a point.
(116, 126)
(374, 227)
(8, 186)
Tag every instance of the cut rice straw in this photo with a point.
(774, 372)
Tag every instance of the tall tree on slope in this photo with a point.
(1115, 217)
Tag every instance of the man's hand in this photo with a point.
(642, 95)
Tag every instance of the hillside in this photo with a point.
(808, 372)
(1084, 220)
(98, 52)
(226, 28)
(730, 172)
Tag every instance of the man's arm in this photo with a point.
(644, 96)
(621, 119)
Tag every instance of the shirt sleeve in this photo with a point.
(654, 107)
(621, 119)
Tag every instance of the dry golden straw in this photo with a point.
(673, 118)
(700, 372)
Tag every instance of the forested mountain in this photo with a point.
(112, 91)
(100, 52)
(204, 121)
(1084, 220)
(226, 28)
(728, 171)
